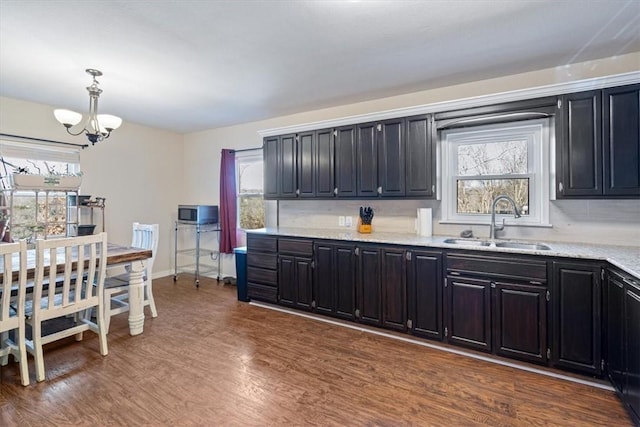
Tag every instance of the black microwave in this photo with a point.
(198, 214)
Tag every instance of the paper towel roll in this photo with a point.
(425, 222)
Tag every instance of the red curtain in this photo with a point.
(228, 206)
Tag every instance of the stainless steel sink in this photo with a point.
(499, 244)
(467, 242)
(523, 245)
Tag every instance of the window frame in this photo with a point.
(540, 138)
(246, 157)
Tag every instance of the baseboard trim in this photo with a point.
(436, 346)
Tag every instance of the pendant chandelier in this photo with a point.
(98, 127)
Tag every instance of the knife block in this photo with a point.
(363, 228)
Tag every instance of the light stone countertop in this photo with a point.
(626, 258)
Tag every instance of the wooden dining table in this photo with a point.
(117, 255)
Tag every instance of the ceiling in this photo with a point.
(192, 65)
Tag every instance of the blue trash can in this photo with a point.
(241, 272)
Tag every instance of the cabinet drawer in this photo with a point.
(262, 292)
(528, 270)
(261, 275)
(269, 261)
(297, 247)
(261, 243)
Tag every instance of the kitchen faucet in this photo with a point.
(493, 228)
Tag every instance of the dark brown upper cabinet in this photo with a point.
(324, 163)
(280, 163)
(305, 159)
(420, 157)
(598, 143)
(621, 140)
(391, 158)
(270, 152)
(345, 161)
(367, 155)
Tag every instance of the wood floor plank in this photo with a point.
(208, 359)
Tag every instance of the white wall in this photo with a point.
(138, 169)
(585, 221)
(145, 173)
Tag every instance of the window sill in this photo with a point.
(486, 223)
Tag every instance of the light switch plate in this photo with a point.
(341, 221)
(348, 221)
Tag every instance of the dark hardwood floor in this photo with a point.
(208, 359)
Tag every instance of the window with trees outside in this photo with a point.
(484, 162)
(250, 188)
(26, 219)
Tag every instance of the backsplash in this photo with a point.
(615, 222)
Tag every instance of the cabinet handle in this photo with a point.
(533, 282)
(560, 187)
(548, 296)
(357, 251)
(297, 192)
(379, 190)
(454, 273)
(335, 191)
(409, 324)
(357, 313)
(379, 127)
(493, 285)
(408, 256)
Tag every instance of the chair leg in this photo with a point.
(102, 330)
(152, 304)
(3, 343)
(37, 350)
(106, 313)
(22, 348)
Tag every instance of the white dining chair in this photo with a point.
(116, 289)
(12, 308)
(76, 290)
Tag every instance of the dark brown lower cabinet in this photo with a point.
(469, 312)
(369, 290)
(520, 319)
(334, 282)
(295, 281)
(394, 289)
(424, 290)
(632, 339)
(615, 320)
(575, 301)
(622, 320)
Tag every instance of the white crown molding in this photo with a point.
(476, 101)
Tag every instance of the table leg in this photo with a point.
(136, 297)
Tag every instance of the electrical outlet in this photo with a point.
(348, 221)
(341, 221)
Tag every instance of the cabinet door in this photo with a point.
(286, 280)
(469, 312)
(367, 152)
(419, 159)
(520, 319)
(391, 163)
(576, 317)
(303, 283)
(306, 153)
(579, 145)
(424, 288)
(345, 162)
(621, 125)
(632, 338)
(369, 292)
(288, 184)
(324, 163)
(271, 167)
(394, 289)
(324, 283)
(345, 293)
(615, 330)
